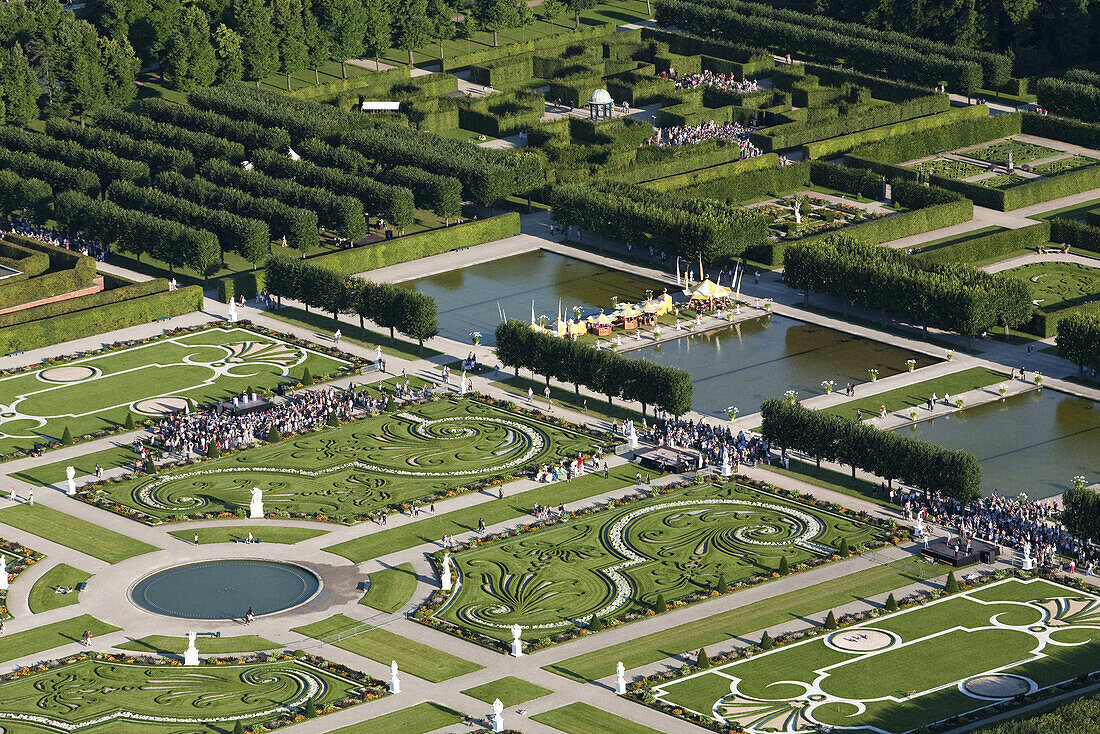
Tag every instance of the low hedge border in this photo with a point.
(1024, 194)
(28, 262)
(48, 285)
(640, 689)
(679, 182)
(890, 534)
(990, 248)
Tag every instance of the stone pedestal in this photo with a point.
(191, 656)
(517, 648)
(1028, 564)
(498, 723)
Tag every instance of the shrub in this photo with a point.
(766, 641)
(842, 549)
(702, 661)
(659, 603)
(67, 437)
(830, 621)
(273, 435)
(893, 138)
(307, 377)
(722, 585)
(952, 585)
(784, 569)
(891, 603)
(309, 710)
(333, 419)
(213, 452)
(129, 424)
(1078, 339)
(991, 247)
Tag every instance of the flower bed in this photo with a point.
(22, 559)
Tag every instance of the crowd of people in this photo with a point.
(692, 134)
(194, 433)
(20, 226)
(712, 79)
(1020, 524)
(710, 441)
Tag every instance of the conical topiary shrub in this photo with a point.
(309, 710)
(703, 662)
(830, 621)
(766, 642)
(842, 548)
(213, 452)
(952, 586)
(273, 435)
(333, 419)
(784, 569)
(129, 424)
(722, 585)
(307, 377)
(66, 437)
(659, 604)
(891, 603)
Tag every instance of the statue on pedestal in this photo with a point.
(232, 311)
(445, 581)
(517, 644)
(70, 474)
(620, 679)
(395, 682)
(3, 573)
(498, 716)
(256, 507)
(462, 384)
(191, 654)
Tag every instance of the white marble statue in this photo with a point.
(378, 354)
(3, 572)
(462, 384)
(498, 716)
(517, 643)
(620, 679)
(191, 654)
(727, 470)
(232, 311)
(256, 507)
(70, 474)
(445, 581)
(633, 435)
(395, 682)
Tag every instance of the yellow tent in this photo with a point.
(708, 289)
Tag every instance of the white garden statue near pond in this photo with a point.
(256, 507)
(3, 573)
(70, 475)
(191, 654)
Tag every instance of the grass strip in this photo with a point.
(736, 622)
(391, 588)
(383, 646)
(432, 529)
(72, 532)
(581, 718)
(418, 719)
(238, 533)
(510, 690)
(49, 636)
(165, 645)
(917, 394)
(113, 458)
(44, 596)
(598, 408)
(323, 325)
(834, 480)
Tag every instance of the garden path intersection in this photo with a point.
(106, 600)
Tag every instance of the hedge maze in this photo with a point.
(351, 472)
(662, 549)
(99, 393)
(1006, 639)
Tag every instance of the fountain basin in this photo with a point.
(225, 589)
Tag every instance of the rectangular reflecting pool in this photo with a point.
(747, 363)
(1033, 443)
(467, 298)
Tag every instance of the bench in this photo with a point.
(82, 586)
(15, 354)
(162, 318)
(363, 585)
(941, 150)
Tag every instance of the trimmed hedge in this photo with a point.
(47, 285)
(137, 127)
(1071, 98)
(392, 202)
(26, 195)
(1044, 324)
(890, 133)
(58, 176)
(1074, 234)
(742, 61)
(298, 226)
(565, 38)
(249, 285)
(884, 453)
(989, 248)
(302, 119)
(103, 312)
(738, 181)
(440, 194)
(421, 244)
(27, 261)
(843, 178)
(962, 126)
(106, 166)
(1025, 194)
(1079, 339)
(248, 134)
(158, 157)
(1059, 128)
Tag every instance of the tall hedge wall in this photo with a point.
(990, 248)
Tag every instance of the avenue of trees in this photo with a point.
(887, 454)
(1078, 339)
(601, 370)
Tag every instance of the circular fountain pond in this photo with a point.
(225, 589)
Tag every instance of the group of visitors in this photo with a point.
(1016, 523)
(710, 440)
(692, 134)
(712, 79)
(20, 226)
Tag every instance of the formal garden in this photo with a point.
(94, 692)
(65, 399)
(637, 557)
(352, 471)
(951, 657)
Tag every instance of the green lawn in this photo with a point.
(917, 394)
(419, 719)
(324, 327)
(383, 646)
(841, 482)
(581, 718)
(1073, 211)
(100, 392)
(1059, 285)
(164, 645)
(681, 543)
(72, 532)
(510, 690)
(354, 470)
(44, 596)
(391, 588)
(49, 636)
(959, 641)
(598, 408)
(737, 622)
(46, 474)
(432, 529)
(261, 533)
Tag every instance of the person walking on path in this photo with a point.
(481, 526)
(336, 336)
(87, 638)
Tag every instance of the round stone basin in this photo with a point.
(225, 589)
